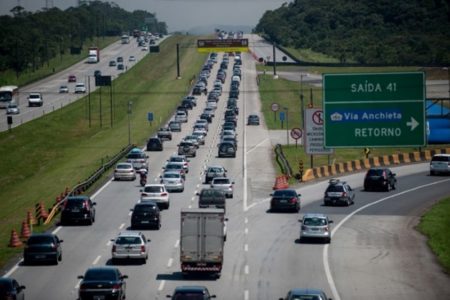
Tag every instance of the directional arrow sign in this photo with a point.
(374, 110)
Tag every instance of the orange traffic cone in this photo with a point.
(31, 219)
(14, 242)
(25, 232)
(42, 211)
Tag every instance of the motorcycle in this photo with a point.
(143, 179)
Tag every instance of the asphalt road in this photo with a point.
(374, 253)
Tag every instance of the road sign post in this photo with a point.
(374, 109)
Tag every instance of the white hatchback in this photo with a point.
(156, 192)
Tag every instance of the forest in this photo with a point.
(31, 39)
(380, 32)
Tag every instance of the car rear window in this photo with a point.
(172, 175)
(70, 203)
(284, 193)
(108, 275)
(135, 155)
(124, 166)
(314, 222)
(188, 296)
(126, 240)
(144, 208)
(221, 181)
(40, 240)
(441, 158)
(377, 172)
(154, 189)
(335, 188)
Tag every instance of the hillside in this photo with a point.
(402, 32)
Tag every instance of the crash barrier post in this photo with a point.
(14, 241)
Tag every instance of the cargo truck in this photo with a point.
(202, 238)
(94, 55)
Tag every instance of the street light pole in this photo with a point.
(129, 124)
(287, 125)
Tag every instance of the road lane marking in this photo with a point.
(245, 220)
(246, 230)
(246, 295)
(170, 262)
(78, 285)
(161, 285)
(190, 206)
(96, 260)
(57, 229)
(177, 243)
(246, 270)
(121, 226)
(13, 269)
(330, 279)
(246, 247)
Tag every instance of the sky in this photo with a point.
(179, 15)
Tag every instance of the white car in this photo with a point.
(132, 58)
(180, 159)
(12, 109)
(63, 89)
(440, 163)
(181, 117)
(124, 171)
(223, 183)
(156, 192)
(80, 88)
(200, 137)
(35, 99)
(173, 181)
(130, 245)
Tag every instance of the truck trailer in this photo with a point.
(202, 238)
(94, 55)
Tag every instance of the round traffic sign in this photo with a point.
(296, 133)
(275, 107)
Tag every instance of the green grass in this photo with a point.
(435, 224)
(56, 64)
(59, 150)
(308, 55)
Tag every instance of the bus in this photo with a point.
(8, 94)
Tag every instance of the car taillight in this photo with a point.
(163, 194)
(384, 175)
(293, 200)
(143, 249)
(53, 246)
(115, 288)
(304, 227)
(114, 248)
(344, 194)
(82, 287)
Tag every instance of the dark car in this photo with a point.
(338, 192)
(206, 117)
(120, 67)
(310, 294)
(164, 133)
(154, 144)
(175, 126)
(211, 198)
(191, 293)
(146, 214)
(253, 120)
(102, 283)
(78, 209)
(380, 179)
(227, 149)
(119, 59)
(187, 104)
(97, 73)
(199, 89)
(285, 199)
(10, 289)
(42, 247)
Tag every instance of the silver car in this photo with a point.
(12, 109)
(124, 171)
(130, 245)
(224, 184)
(173, 181)
(315, 226)
(440, 163)
(180, 159)
(157, 193)
(200, 137)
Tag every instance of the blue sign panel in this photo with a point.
(150, 116)
(282, 115)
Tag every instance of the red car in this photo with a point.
(72, 78)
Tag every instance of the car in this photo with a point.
(315, 226)
(285, 199)
(211, 198)
(191, 293)
(187, 148)
(207, 117)
(228, 133)
(154, 144)
(97, 73)
(200, 128)
(138, 158)
(102, 283)
(199, 89)
(380, 179)
(120, 67)
(119, 59)
(42, 247)
(227, 149)
(203, 123)
(112, 63)
(211, 104)
(124, 171)
(192, 99)
(200, 137)
(192, 139)
(132, 58)
(187, 104)
(72, 78)
(146, 214)
(214, 171)
(11, 289)
(130, 245)
(144, 48)
(440, 164)
(175, 126)
(181, 117)
(63, 89)
(253, 120)
(164, 133)
(173, 181)
(80, 88)
(223, 183)
(76, 209)
(177, 167)
(35, 99)
(338, 192)
(180, 159)
(156, 192)
(12, 109)
(310, 294)
(209, 111)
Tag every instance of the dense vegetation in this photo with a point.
(405, 32)
(32, 39)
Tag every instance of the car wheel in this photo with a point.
(167, 205)
(60, 257)
(394, 186)
(431, 173)
(328, 240)
(89, 221)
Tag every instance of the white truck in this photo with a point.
(202, 238)
(125, 39)
(94, 55)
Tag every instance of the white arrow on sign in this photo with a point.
(413, 124)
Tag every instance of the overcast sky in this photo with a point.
(178, 14)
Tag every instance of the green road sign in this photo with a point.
(374, 109)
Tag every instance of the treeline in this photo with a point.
(404, 32)
(30, 39)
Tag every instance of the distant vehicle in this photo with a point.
(125, 39)
(338, 192)
(211, 198)
(124, 171)
(11, 289)
(42, 247)
(181, 117)
(187, 148)
(120, 67)
(176, 166)
(164, 133)
(440, 164)
(154, 144)
(315, 226)
(191, 293)
(94, 55)
(97, 73)
(202, 238)
(173, 181)
(146, 214)
(253, 120)
(157, 193)
(119, 59)
(8, 94)
(78, 209)
(63, 89)
(227, 149)
(132, 58)
(35, 99)
(144, 48)
(180, 159)
(130, 245)
(175, 126)
(214, 171)
(310, 294)
(285, 199)
(102, 283)
(72, 78)
(200, 137)
(80, 88)
(380, 179)
(112, 63)
(138, 158)
(12, 109)
(223, 183)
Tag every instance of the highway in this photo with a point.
(375, 252)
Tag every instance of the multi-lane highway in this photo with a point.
(375, 252)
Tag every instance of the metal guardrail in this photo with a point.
(282, 161)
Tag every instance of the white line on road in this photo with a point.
(121, 226)
(170, 262)
(108, 243)
(330, 279)
(190, 206)
(161, 285)
(246, 295)
(246, 247)
(246, 270)
(246, 230)
(246, 220)
(96, 260)
(177, 243)
(57, 229)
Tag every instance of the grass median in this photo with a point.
(42, 157)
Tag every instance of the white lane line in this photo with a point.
(193, 198)
(177, 243)
(101, 189)
(170, 262)
(96, 260)
(57, 229)
(190, 206)
(246, 230)
(326, 265)
(257, 145)
(246, 247)
(246, 295)
(246, 270)
(78, 285)
(161, 285)
(130, 213)
(121, 226)
(13, 269)
(245, 220)
(108, 243)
